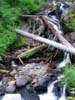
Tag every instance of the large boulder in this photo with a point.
(22, 80)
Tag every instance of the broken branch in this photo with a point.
(4, 71)
(32, 51)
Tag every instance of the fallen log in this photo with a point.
(32, 51)
(46, 41)
(54, 28)
(4, 71)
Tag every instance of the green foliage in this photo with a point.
(72, 17)
(65, 25)
(69, 23)
(20, 41)
(70, 98)
(69, 78)
(9, 20)
(32, 6)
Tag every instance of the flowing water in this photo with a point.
(50, 94)
(63, 93)
(13, 63)
(65, 61)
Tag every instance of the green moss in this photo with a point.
(70, 98)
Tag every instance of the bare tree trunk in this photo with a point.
(46, 41)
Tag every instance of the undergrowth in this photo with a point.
(69, 78)
(10, 12)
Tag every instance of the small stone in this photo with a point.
(15, 76)
(12, 97)
(10, 89)
(11, 83)
(20, 73)
(12, 73)
(30, 88)
(22, 80)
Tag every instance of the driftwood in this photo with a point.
(30, 52)
(46, 41)
(59, 34)
(4, 71)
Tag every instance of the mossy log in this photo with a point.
(32, 51)
(4, 71)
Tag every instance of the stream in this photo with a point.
(29, 94)
(50, 95)
(35, 74)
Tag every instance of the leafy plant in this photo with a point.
(9, 19)
(32, 6)
(70, 23)
(72, 19)
(69, 78)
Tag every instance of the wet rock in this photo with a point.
(30, 88)
(22, 81)
(72, 7)
(2, 89)
(71, 36)
(35, 68)
(10, 88)
(39, 81)
(5, 80)
(1, 97)
(29, 96)
(38, 73)
(12, 97)
(13, 72)
(41, 89)
(40, 86)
